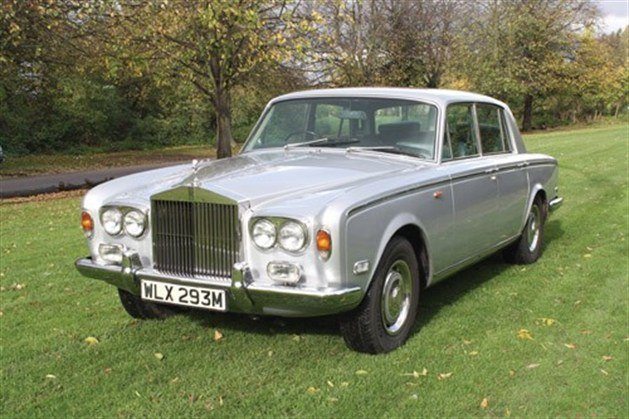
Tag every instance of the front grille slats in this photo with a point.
(195, 239)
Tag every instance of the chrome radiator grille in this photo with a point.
(195, 239)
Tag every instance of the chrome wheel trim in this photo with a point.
(533, 228)
(395, 305)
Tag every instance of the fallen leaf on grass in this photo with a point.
(587, 255)
(333, 399)
(524, 334)
(330, 383)
(91, 340)
(312, 390)
(51, 376)
(546, 321)
(361, 372)
(607, 358)
(511, 373)
(484, 403)
(604, 372)
(473, 353)
(296, 338)
(107, 370)
(217, 335)
(159, 355)
(414, 397)
(531, 366)
(570, 345)
(416, 374)
(444, 375)
(585, 332)
(467, 342)
(344, 384)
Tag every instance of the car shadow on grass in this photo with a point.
(440, 295)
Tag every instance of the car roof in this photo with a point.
(438, 96)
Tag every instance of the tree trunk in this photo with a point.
(222, 107)
(527, 115)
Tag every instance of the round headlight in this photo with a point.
(112, 221)
(264, 233)
(292, 236)
(134, 223)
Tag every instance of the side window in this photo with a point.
(460, 129)
(491, 129)
(328, 121)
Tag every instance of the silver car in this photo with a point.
(344, 201)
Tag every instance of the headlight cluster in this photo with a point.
(115, 220)
(290, 235)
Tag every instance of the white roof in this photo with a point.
(437, 96)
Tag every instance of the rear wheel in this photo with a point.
(384, 319)
(528, 248)
(140, 309)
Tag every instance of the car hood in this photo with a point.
(260, 177)
(265, 175)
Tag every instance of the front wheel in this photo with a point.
(528, 248)
(140, 309)
(384, 319)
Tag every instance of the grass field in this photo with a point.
(549, 339)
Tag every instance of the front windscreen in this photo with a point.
(398, 126)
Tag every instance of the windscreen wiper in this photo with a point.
(386, 149)
(323, 142)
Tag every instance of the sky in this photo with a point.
(614, 13)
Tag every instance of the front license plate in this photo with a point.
(184, 295)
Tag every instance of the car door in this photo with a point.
(474, 185)
(511, 175)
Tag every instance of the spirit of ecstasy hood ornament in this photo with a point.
(195, 170)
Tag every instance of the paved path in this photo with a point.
(33, 185)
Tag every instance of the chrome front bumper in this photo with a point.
(244, 296)
(555, 203)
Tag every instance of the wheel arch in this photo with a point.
(409, 227)
(536, 190)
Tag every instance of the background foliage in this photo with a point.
(115, 75)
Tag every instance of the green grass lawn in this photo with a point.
(573, 303)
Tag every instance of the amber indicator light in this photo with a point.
(86, 222)
(324, 242)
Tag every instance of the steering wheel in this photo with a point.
(305, 131)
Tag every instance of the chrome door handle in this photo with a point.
(492, 170)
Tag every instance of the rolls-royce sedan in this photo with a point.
(342, 201)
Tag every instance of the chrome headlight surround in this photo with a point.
(292, 236)
(134, 223)
(291, 229)
(111, 220)
(126, 218)
(263, 233)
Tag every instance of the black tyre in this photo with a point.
(528, 248)
(140, 309)
(386, 316)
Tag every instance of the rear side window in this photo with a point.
(460, 132)
(491, 129)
